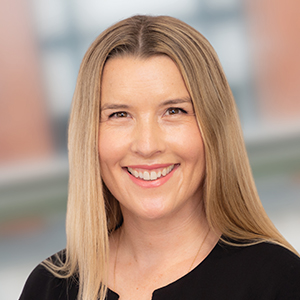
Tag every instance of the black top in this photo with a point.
(264, 271)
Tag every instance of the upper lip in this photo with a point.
(149, 167)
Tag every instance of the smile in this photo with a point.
(150, 175)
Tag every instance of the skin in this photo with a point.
(148, 122)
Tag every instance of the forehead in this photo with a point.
(123, 67)
(132, 78)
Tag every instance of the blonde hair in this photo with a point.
(231, 201)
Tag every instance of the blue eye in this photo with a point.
(175, 111)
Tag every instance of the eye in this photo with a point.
(119, 114)
(175, 111)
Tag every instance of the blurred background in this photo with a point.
(41, 47)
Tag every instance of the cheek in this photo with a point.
(190, 144)
(108, 144)
(106, 153)
(108, 159)
(197, 149)
(103, 147)
(112, 148)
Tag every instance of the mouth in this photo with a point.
(150, 175)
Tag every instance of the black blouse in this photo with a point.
(264, 271)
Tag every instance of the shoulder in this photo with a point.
(268, 255)
(42, 284)
(262, 271)
(271, 268)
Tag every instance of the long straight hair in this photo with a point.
(230, 198)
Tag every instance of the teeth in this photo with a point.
(152, 175)
(146, 175)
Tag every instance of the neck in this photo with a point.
(151, 242)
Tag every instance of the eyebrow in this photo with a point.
(176, 101)
(114, 106)
(165, 103)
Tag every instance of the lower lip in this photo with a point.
(152, 183)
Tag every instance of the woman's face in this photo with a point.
(150, 147)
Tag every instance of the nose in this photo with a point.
(148, 139)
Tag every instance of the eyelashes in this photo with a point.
(119, 114)
(169, 112)
(175, 111)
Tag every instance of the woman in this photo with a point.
(162, 203)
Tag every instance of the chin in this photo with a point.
(152, 211)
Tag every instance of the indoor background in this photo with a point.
(41, 47)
